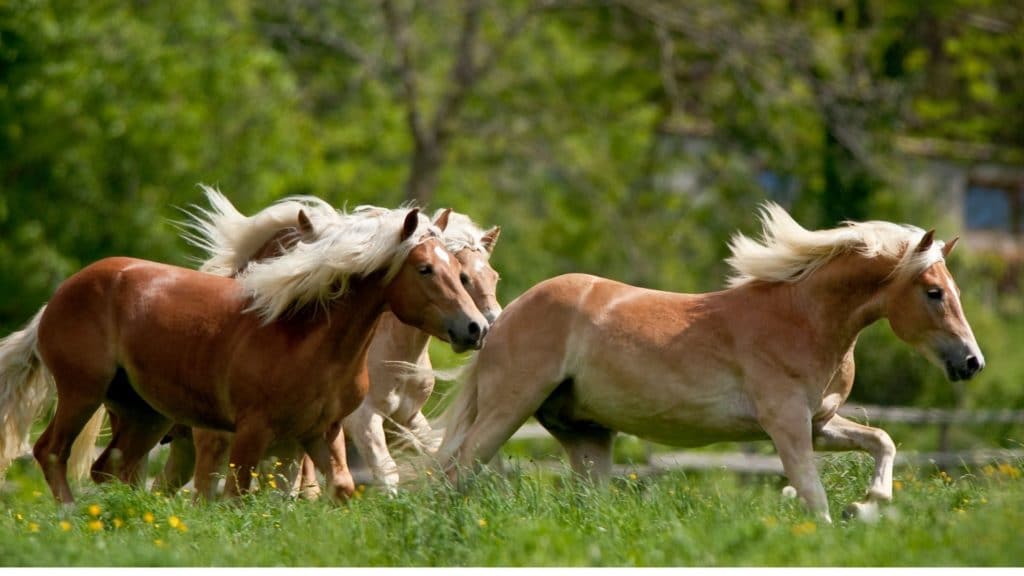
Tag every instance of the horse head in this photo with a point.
(925, 311)
(427, 292)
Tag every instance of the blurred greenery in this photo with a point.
(626, 138)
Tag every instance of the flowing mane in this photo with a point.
(787, 252)
(345, 246)
(462, 233)
(230, 239)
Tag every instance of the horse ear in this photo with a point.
(412, 220)
(490, 238)
(442, 220)
(305, 227)
(949, 247)
(926, 241)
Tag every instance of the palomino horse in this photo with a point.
(276, 357)
(772, 355)
(395, 395)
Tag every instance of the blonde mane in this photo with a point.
(787, 252)
(462, 233)
(344, 246)
(230, 238)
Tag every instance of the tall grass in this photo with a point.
(529, 518)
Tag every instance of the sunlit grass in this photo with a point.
(530, 518)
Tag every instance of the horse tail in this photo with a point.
(26, 387)
(83, 450)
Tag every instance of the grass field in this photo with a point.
(530, 518)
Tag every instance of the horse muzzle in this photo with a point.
(965, 368)
(467, 335)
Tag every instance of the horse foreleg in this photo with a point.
(420, 427)
(842, 434)
(211, 447)
(181, 461)
(135, 433)
(366, 425)
(328, 453)
(307, 484)
(789, 427)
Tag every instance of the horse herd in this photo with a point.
(307, 325)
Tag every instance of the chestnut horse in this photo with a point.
(771, 356)
(396, 395)
(278, 356)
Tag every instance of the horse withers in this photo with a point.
(277, 357)
(771, 356)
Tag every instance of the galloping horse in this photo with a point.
(395, 394)
(278, 356)
(771, 356)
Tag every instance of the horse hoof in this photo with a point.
(864, 511)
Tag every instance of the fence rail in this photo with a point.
(758, 463)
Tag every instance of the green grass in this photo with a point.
(529, 518)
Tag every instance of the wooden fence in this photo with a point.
(751, 462)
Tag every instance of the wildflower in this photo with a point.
(632, 476)
(182, 528)
(984, 500)
(1009, 471)
(174, 521)
(96, 525)
(19, 517)
(159, 543)
(482, 522)
(804, 528)
(33, 527)
(770, 521)
(945, 477)
(254, 474)
(277, 463)
(148, 518)
(156, 492)
(231, 465)
(36, 493)
(897, 485)
(65, 525)
(273, 483)
(118, 522)
(989, 470)
(95, 510)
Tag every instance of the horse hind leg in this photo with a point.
(135, 426)
(53, 449)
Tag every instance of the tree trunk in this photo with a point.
(423, 172)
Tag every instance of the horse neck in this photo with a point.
(844, 296)
(353, 317)
(396, 340)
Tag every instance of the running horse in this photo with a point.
(276, 357)
(770, 356)
(396, 394)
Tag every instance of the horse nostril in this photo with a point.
(474, 329)
(973, 364)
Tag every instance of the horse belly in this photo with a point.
(666, 407)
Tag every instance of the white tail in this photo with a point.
(26, 387)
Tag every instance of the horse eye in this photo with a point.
(464, 278)
(426, 269)
(935, 293)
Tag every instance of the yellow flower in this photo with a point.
(36, 493)
(254, 474)
(19, 517)
(632, 476)
(362, 488)
(148, 518)
(33, 527)
(182, 527)
(174, 521)
(65, 525)
(95, 510)
(897, 485)
(277, 463)
(96, 525)
(231, 465)
(156, 493)
(1008, 470)
(159, 543)
(118, 522)
(273, 483)
(804, 528)
(770, 521)
(482, 522)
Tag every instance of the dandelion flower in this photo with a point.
(33, 527)
(174, 521)
(632, 476)
(96, 525)
(159, 543)
(65, 525)
(19, 517)
(36, 493)
(273, 483)
(897, 485)
(482, 522)
(95, 510)
(803, 528)
(118, 522)
(148, 518)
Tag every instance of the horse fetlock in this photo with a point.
(866, 510)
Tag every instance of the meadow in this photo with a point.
(530, 517)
